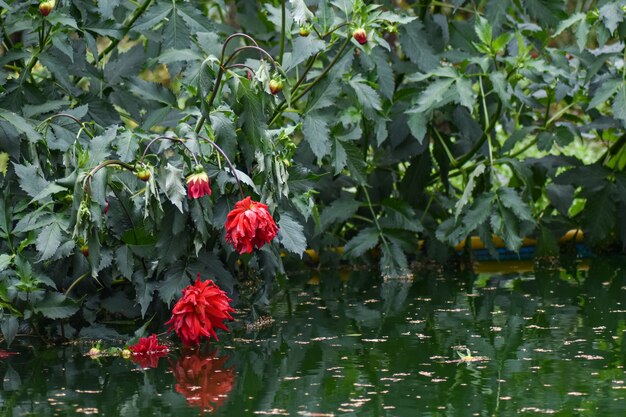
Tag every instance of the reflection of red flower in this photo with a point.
(249, 224)
(147, 351)
(198, 185)
(203, 381)
(6, 353)
(202, 308)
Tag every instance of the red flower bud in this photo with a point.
(84, 249)
(249, 225)
(276, 86)
(198, 185)
(46, 7)
(360, 35)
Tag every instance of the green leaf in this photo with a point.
(47, 107)
(29, 179)
(125, 65)
(385, 72)
(303, 48)
(501, 86)
(483, 30)
(561, 196)
(300, 12)
(416, 47)
(467, 193)
(367, 96)
(48, 241)
(175, 279)
(124, 261)
(434, 94)
(339, 156)
(599, 215)
(5, 261)
(21, 125)
(56, 306)
(291, 234)
(197, 215)
(174, 188)
(467, 96)
(611, 15)
(511, 200)
(9, 326)
(356, 164)
(126, 145)
(4, 163)
(619, 105)
(393, 262)
(570, 21)
(418, 124)
(176, 34)
(496, 12)
(106, 7)
(605, 91)
(400, 215)
(547, 12)
(365, 240)
(100, 146)
(478, 213)
(317, 134)
(338, 211)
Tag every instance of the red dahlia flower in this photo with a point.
(202, 308)
(360, 35)
(203, 381)
(148, 345)
(249, 224)
(198, 185)
(147, 352)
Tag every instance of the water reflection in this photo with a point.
(203, 379)
(492, 344)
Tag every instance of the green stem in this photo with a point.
(281, 50)
(230, 164)
(128, 24)
(280, 110)
(173, 139)
(101, 165)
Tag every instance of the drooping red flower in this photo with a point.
(6, 353)
(148, 345)
(198, 185)
(249, 224)
(202, 308)
(147, 352)
(203, 381)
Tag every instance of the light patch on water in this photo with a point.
(576, 394)
(589, 357)
(87, 410)
(374, 340)
(272, 412)
(537, 410)
(569, 342)
(88, 391)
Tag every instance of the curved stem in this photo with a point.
(230, 164)
(173, 139)
(76, 281)
(69, 116)
(257, 48)
(331, 31)
(101, 165)
(249, 68)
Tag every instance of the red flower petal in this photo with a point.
(249, 224)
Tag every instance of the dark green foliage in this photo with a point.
(448, 122)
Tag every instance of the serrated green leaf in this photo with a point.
(393, 262)
(355, 163)
(416, 47)
(570, 21)
(303, 48)
(384, 71)
(605, 91)
(478, 213)
(496, 12)
(56, 306)
(611, 15)
(467, 192)
(365, 240)
(545, 11)
(338, 211)
(467, 96)
(619, 105)
(599, 215)
(501, 86)
(124, 261)
(29, 179)
(317, 134)
(174, 188)
(5, 261)
(291, 234)
(367, 96)
(175, 279)
(9, 326)
(176, 33)
(434, 94)
(339, 157)
(21, 125)
(400, 215)
(126, 145)
(483, 30)
(511, 200)
(418, 124)
(581, 35)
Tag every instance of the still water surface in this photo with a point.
(349, 344)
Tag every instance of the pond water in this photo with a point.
(349, 344)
